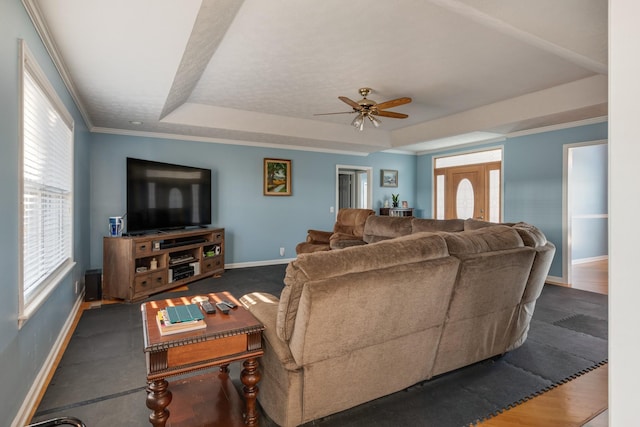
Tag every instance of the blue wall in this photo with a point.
(533, 174)
(23, 351)
(256, 226)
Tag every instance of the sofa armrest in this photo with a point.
(318, 236)
(264, 307)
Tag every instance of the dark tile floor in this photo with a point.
(101, 376)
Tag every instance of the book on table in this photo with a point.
(184, 313)
(173, 320)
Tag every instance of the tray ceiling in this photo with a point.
(255, 72)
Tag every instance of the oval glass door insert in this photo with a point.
(464, 199)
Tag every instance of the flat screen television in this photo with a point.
(163, 196)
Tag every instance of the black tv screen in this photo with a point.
(163, 196)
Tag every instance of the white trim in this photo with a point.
(468, 145)
(214, 140)
(590, 216)
(258, 263)
(566, 211)
(555, 280)
(368, 170)
(512, 135)
(472, 157)
(590, 259)
(40, 381)
(560, 126)
(29, 65)
(34, 12)
(26, 311)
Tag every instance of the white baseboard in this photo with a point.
(40, 382)
(258, 263)
(587, 260)
(555, 280)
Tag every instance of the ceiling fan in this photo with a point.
(367, 108)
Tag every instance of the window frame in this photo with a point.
(26, 308)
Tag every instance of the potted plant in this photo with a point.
(395, 200)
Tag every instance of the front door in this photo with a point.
(469, 191)
(465, 197)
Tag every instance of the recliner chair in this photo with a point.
(347, 231)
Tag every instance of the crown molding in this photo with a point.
(245, 143)
(35, 14)
(560, 126)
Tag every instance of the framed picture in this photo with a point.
(277, 177)
(388, 178)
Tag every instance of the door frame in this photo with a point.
(368, 170)
(566, 207)
(479, 187)
(472, 151)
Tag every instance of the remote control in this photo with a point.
(207, 307)
(229, 303)
(224, 308)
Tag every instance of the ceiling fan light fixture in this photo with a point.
(369, 109)
(358, 122)
(376, 122)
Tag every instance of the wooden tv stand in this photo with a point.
(181, 257)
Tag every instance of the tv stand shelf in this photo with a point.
(179, 257)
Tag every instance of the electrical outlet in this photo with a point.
(281, 251)
(77, 286)
(331, 209)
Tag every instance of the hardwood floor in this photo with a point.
(581, 402)
(591, 276)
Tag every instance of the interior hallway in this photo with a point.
(581, 402)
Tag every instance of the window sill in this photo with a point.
(28, 310)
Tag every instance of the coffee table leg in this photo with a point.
(250, 378)
(158, 399)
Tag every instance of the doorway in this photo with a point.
(469, 186)
(586, 218)
(353, 187)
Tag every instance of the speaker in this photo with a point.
(93, 285)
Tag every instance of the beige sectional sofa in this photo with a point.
(359, 323)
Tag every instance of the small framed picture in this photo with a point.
(388, 178)
(277, 177)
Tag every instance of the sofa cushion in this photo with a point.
(378, 228)
(318, 236)
(324, 265)
(499, 237)
(474, 224)
(419, 225)
(341, 241)
(530, 234)
(351, 221)
(309, 247)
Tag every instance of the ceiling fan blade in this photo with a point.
(353, 104)
(393, 103)
(391, 114)
(342, 112)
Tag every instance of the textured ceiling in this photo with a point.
(255, 72)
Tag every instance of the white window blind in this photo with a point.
(47, 184)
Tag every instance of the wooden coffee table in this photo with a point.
(232, 337)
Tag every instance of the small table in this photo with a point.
(236, 336)
(396, 211)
